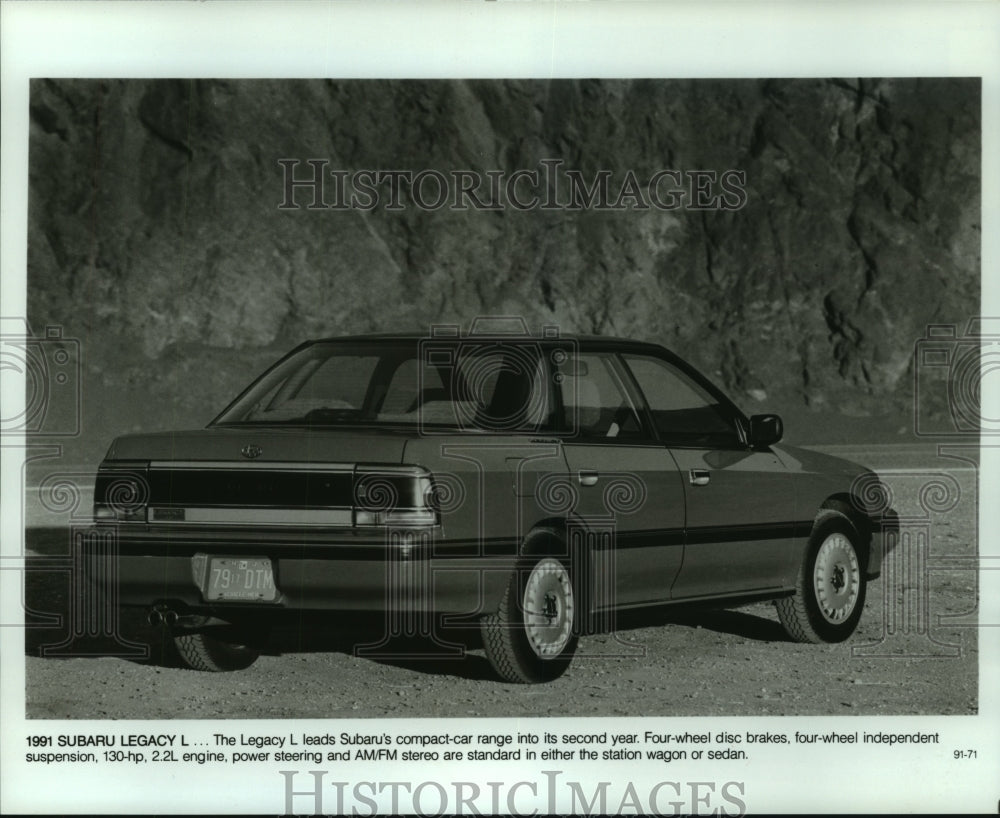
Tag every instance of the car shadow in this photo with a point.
(734, 622)
(448, 652)
(470, 666)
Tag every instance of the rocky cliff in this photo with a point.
(158, 239)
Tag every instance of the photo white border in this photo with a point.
(492, 40)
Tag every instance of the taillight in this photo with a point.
(121, 491)
(393, 496)
(399, 517)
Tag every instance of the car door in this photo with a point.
(630, 499)
(742, 535)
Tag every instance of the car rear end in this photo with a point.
(232, 538)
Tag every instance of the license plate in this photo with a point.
(240, 579)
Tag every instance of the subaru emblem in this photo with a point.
(251, 451)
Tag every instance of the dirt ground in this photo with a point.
(914, 653)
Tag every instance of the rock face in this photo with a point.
(156, 234)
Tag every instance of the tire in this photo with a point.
(830, 593)
(202, 651)
(533, 635)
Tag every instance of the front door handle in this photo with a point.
(587, 477)
(699, 477)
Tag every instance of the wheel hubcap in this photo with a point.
(548, 608)
(837, 578)
(551, 608)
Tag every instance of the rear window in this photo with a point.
(477, 386)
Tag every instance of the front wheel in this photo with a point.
(532, 636)
(203, 651)
(830, 596)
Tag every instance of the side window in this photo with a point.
(500, 387)
(594, 401)
(407, 392)
(684, 413)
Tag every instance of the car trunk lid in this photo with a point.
(263, 444)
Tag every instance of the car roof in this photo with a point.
(388, 337)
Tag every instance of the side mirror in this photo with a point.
(765, 430)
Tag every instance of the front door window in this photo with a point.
(685, 414)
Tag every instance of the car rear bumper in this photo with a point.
(145, 569)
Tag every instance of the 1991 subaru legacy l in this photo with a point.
(536, 485)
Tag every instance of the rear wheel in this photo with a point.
(203, 651)
(532, 636)
(830, 596)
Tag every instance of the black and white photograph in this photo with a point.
(478, 438)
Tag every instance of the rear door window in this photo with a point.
(595, 402)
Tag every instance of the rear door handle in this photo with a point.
(587, 477)
(699, 477)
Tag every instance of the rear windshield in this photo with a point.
(480, 386)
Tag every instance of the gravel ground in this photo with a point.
(664, 663)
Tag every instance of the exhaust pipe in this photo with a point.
(162, 615)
